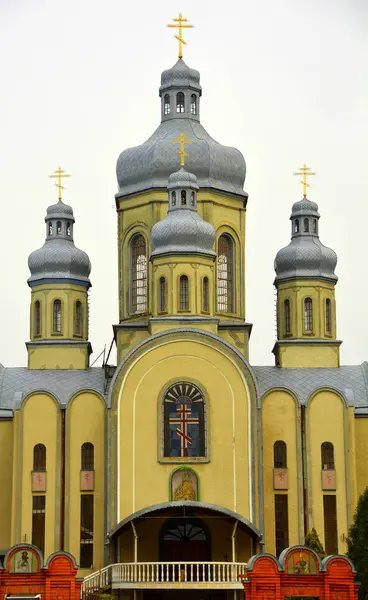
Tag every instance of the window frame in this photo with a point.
(162, 295)
(78, 319)
(327, 456)
(87, 456)
(133, 276)
(280, 454)
(181, 308)
(193, 104)
(167, 105)
(39, 521)
(180, 106)
(206, 294)
(85, 541)
(308, 317)
(328, 316)
(230, 303)
(39, 458)
(286, 316)
(57, 329)
(37, 329)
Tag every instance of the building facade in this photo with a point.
(183, 460)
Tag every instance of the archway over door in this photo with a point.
(185, 540)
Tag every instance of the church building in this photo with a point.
(176, 465)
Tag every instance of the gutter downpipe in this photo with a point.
(135, 554)
(233, 552)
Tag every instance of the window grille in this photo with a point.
(281, 523)
(86, 531)
(180, 102)
(184, 293)
(162, 295)
(87, 457)
(327, 456)
(167, 108)
(330, 524)
(286, 317)
(183, 197)
(56, 327)
(225, 283)
(280, 455)
(308, 315)
(39, 457)
(38, 521)
(37, 318)
(193, 104)
(306, 225)
(206, 295)
(328, 316)
(138, 273)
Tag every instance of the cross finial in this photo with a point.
(181, 140)
(179, 36)
(305, 172)
(59, 175)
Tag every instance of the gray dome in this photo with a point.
(59, 259)
(305, 256)
(183, 231)
(149, 165)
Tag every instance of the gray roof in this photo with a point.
(17, 382)
(350, 381)
(179, 76)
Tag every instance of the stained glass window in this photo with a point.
(184, 421)
(225, 277)
(138, 274)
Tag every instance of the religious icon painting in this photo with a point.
(302, 562)
(23, 561)
(184, 485)
(184, 421)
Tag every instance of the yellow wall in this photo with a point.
(316, 356)
(280, 422)
(58, 357)
(6, 473)
(361, 450)
(326, 415)
(85, 422)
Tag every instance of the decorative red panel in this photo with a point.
(87, 481)
(280, 479)
(329, 479)
(39, 481)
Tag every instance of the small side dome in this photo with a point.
(180, 75)
(59, 211)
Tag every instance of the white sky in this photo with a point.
(285, 82)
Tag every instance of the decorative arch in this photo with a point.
(186, 487)
(138, 273)
(180, 539)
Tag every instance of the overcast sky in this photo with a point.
(285, 82)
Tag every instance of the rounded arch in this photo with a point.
(61, 553)
(222, 285)
(39, 457)
(87, 456)
(327, 456)
(37, 318)
(24, 546)
(291, 393)
(74, 396)
(286, 553)
(280, 454)
(329, 559)
(184, 468)
(184, 292)
(78, 318)
(178, 536)
(332, 389)
(20, 404)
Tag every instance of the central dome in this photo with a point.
(149, 165)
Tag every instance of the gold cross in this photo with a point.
(59, 174)
(304, 172)
(180, 20)
(182, 140)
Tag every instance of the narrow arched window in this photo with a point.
(68, 229)
(296, 226)
(184, 421)
(225, 274)
(308, 315)
(279, 455)
(39, 457)
(328, 316)
(173, 198)
(314, 225)
(58, 228)
(184, 293)
(180, 102)
(78, 322)
(183, 197)
(138, 274)
(37, 318)
(286, 316)
(162, 295)
(167, 108)
(193, 104)
(87, 457)
(327, 456)
(206, 295)
(306, 225)
(50, 228)
(56, 317)
(192, 199)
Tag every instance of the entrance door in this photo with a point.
(185, 540)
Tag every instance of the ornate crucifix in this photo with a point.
(179, 26)
(59, 175)
(304, 172)
(181, 140)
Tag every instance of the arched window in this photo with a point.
(184, 427)
(306, 225)
(39, 457)
(78, 324)
(37, 318)
(167, 108)
(50, 228)
(328, 316)
(180, 102)
(58, 228)
(68, 229)
(183, 293)
(138, 274)
(173, 198)
(184, 538)
(56, 317)
(206, 295)
(314, 225)
(225, 274)
(279, 455)
(327, 456)
(87, 457)
(286, 316)
(308, 315)
(183, 197)
(192, 199)
(193, 104)
(162, 295)
(296, 226)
